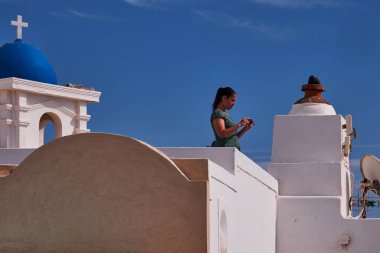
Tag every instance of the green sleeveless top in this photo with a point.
(233, 140)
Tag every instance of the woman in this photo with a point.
(225, 130)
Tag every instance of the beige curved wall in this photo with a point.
(101, 193)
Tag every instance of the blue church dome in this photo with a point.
(22, 60)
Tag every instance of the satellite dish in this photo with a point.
(370, 169)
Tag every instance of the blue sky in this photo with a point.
(158, 63)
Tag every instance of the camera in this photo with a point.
(250, 121)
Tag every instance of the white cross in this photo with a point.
(19, 24)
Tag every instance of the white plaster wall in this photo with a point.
(302, 139)
(256, 218)
(314, 188)
(347, 190)
(307, 157)
(222, 197)
(246, 193)
(261, 212)
(308, 179)
(315, 225)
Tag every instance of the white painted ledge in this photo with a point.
(13, 83)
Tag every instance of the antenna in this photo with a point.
(350, 132)
(347, 145)
(349, 129)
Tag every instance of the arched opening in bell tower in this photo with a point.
(50, 127)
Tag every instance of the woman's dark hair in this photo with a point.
(226, 91)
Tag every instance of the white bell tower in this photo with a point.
(27, 106)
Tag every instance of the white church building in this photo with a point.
(96, 192)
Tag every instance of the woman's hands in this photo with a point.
(243, 122)
(248, 123)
